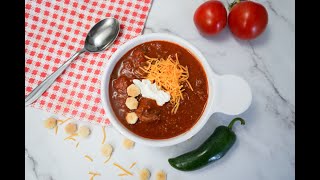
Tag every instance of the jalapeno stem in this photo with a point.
(234, 120)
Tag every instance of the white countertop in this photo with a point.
(265, 145)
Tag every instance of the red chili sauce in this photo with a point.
(157, 122)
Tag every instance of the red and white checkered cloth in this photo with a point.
(54, 31)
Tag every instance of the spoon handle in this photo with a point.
(44, 85)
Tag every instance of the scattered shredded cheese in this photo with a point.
(71, 136)
(123, 174)
(89, 158)
(107, 160)
(133, 164)
(77, 145)
(104, 134)
(63, 121)
(120, 167)
(168, 74)
(56, 130)
(93, 174)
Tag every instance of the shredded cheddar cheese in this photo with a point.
(71, 136)
(107, 160)
(189, 85)
(63, 121)
(169, 75)
(89, 158)
(56, 130)
(77, 145)
(120, 167)
(93, 174)
(104, 134)
(133, 164)
(123, 174)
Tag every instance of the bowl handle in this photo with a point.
(232, 95)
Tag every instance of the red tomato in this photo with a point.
(210, 17)
(247, 19)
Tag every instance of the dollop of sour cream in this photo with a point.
(152, 91)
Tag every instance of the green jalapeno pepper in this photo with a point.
(213, 149)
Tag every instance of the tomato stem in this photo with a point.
(234, 3)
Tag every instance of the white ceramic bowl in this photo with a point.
(228, 94)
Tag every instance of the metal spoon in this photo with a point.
(101, 36)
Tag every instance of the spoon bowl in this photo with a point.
(101, 36)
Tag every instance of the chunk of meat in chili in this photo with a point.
(139, 56)
(121, 84)
(148, 110)
(127, 69)
(131, 66)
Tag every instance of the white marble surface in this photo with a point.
(265, 146)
